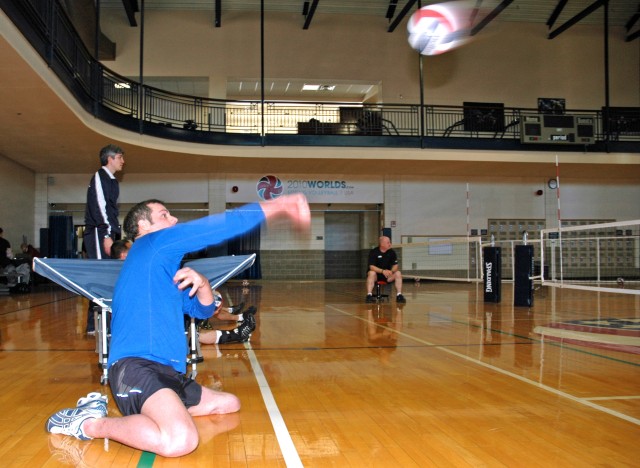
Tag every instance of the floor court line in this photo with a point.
(568, 396)
(540, 341)
(630, 397)
(288, 449)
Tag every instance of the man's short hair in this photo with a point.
(119, 247)
(135, 215)
(109, 151)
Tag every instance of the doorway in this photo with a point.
(342, 245)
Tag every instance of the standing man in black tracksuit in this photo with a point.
(102, 227)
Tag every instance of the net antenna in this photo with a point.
(559, 215)
(468, 228)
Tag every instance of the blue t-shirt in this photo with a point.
(148, 307)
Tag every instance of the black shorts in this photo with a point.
(133, 380)
(381, 277)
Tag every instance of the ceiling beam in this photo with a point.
(310, 13)
(218, 14)
(556, 12)
(632, 36)
(490, 17)
(474, 13)
(401, 15)
(583, 14)
(632, 21)
(131, 8)
(391, 9)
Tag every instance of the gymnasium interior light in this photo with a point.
(316, 87)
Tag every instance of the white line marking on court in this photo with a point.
(288, 449)
(631, 397)
(582, 401)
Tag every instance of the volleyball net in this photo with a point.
(599, 257)
(602, 257)
(455, 258)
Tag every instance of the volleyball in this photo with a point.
(438, 28)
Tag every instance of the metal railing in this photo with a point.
(128, 104)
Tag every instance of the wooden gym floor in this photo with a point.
(329, 381)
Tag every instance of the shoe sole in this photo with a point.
(59, 423)
(236, 309)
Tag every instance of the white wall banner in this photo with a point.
(318, 189)
(134, 188)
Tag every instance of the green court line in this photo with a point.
(146, 459)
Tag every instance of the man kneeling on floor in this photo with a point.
(147, 360)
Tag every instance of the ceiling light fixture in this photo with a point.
(122, 85)
(316, 87)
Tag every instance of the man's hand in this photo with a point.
(292, 207)
(188, 278)
(107, 243)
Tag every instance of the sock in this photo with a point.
(218, 335)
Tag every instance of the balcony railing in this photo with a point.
(144, 109)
